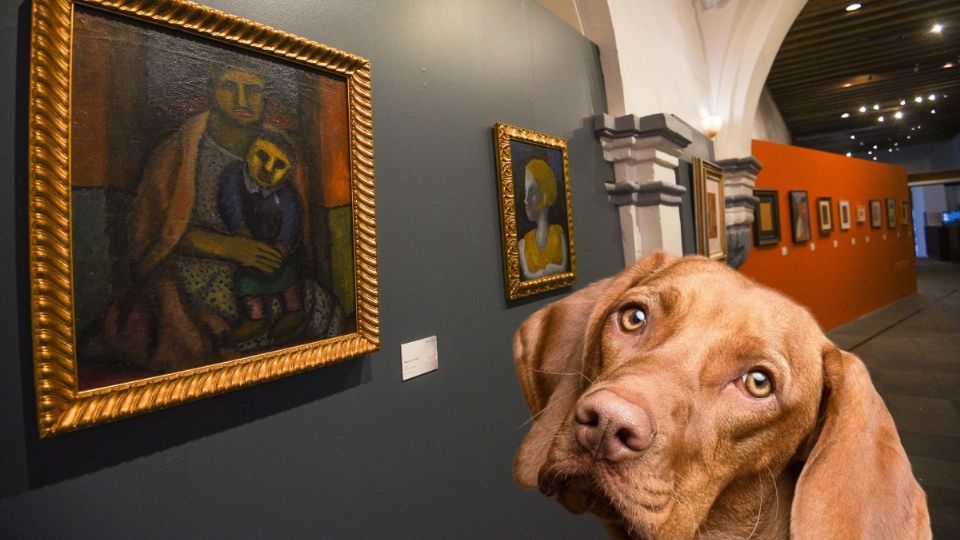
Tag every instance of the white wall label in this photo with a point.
(783, 250)
(836, 243)
(813, 247)
(419, 357)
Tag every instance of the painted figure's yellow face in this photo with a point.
(239, 96)
(268, 163)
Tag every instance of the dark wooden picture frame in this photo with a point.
(825, 215)
(799, 216)
(766, 218)
(876, 214)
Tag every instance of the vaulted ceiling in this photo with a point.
(839, 72)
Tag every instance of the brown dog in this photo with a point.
(679, 399)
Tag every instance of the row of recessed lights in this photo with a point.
(937, 28)
(898, 114)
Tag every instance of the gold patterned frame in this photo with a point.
(61, 406)
(516, 287)
(708, 177)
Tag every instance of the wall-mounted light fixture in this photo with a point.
(712, 124)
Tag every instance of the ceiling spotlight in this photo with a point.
(853, 136)
(898, 115)
(936, 28)
(849, 154)
(853, 7)
(876, 107)
(918, 99)
(889, 149)
(896, 144)
(908, 137)
(862, 108)
(870, 152)
(948, 65)
(932, 97)
(874, 147)
(933, 111)
(903, 102)
(874, 158)
(880, 118)
(861, 143)
(845, 115)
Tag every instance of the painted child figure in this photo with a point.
(257, 195)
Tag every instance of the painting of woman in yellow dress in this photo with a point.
(542, 250)
(536, 218)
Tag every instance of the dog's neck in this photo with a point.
(755, 508)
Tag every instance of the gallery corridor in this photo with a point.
(912, 348)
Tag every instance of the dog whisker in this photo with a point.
(565, 374)
(553, 403)
(759, 507)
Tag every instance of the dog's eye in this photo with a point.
(633, 318)
(757, 383)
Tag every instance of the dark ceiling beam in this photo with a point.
(851, 64)
(894, 19)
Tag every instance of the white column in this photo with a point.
(645, 154)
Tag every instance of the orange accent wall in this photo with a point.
(839, 283)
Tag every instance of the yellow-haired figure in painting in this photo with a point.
(543, 250)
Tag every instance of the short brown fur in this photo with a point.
(819, 458)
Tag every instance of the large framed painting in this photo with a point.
(799, 216)
(536, 214)
(825, 214)
(766, 218)
(201, 206)
(709, 212)
(891, 213)
(876, 214)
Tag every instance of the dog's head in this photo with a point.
(670, 400)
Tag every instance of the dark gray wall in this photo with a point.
(347, 451)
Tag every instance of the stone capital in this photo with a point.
(739, 181)
(645, 153)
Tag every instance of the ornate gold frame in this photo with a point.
(61, 406)
(515, 286)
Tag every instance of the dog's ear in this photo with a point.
(857, 481)
(549, 349)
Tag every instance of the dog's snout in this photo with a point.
(612, 427)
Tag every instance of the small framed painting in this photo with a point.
(876, 214)
(861, 213)
(825, 214)
(710, 213)
(766, 218)
(904, 213)
(891, 213)
(799, 216)
(844, 211)
(536, 215)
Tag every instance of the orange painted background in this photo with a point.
(868, 268)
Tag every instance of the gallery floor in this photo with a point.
(912, 349)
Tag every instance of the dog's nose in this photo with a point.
(612, 427)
